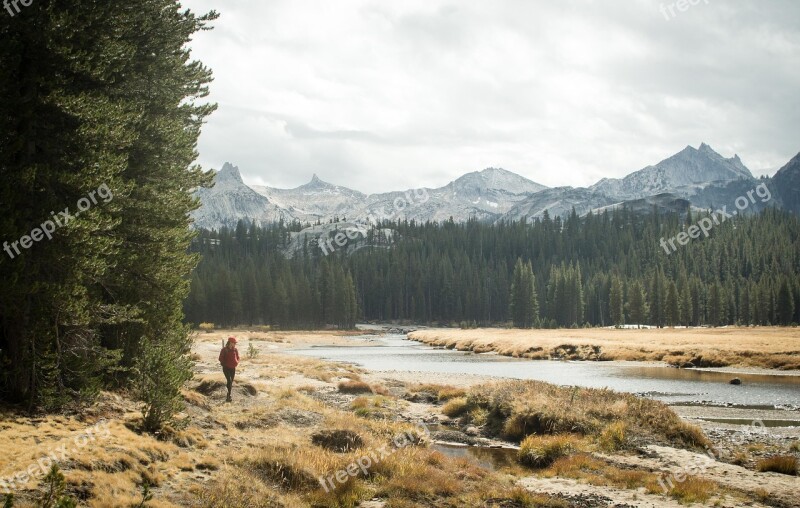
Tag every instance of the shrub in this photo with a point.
(783, 464)
(542, 451)
(252, 351)
(162, 368)
(53, 496)
(207, 327)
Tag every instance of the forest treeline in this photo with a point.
(599, 270)
(98, 98)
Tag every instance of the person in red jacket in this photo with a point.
(229, 359)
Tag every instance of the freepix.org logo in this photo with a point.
(13, 6)
(57, 220)
(705, 224)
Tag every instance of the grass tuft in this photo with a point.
(614, 437)
(542, 451)
(783, 464)
(456, 407)
(693, 490)
(339, 441)
(353, 386)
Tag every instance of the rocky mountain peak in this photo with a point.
(786, 183)
(496, 179)
(229, 172)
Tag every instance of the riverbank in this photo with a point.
(372, 437)
(773, 348)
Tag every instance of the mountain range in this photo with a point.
(694, 177)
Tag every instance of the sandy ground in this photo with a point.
(759, 347)
(607, 495)
(781, 488)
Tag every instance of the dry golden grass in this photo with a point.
(783, 464)
(694, 489)
(354, 387)
(614, 437)
(281, 366)
(195, 398)
(456, 407)
(289, 338)
(105, 471)
(594, 471)
(449, 392)
(542, 451)
(440, 393)
(289, 468)
(517, 409)
(259, 450)
(235, 487)
(768, 347)
(377, 407)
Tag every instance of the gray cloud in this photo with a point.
(382, 95)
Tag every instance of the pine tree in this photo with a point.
(638, 304)
(685, 305)
(616, 302)
(785, 304)
(673, 307)
(98, 101)
(657, 298)
(716, 305)
(524, 302)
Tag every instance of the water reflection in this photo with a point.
(489, 458)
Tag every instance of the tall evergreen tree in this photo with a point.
(673, 305)
(785, 303)
(97, 96)
(524, 302)
(616, 302)
(637, 304)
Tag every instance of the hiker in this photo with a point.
(229, 359)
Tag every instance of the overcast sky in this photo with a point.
(386, 95)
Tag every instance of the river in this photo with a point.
(671, 385)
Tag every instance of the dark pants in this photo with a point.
(230, 373)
